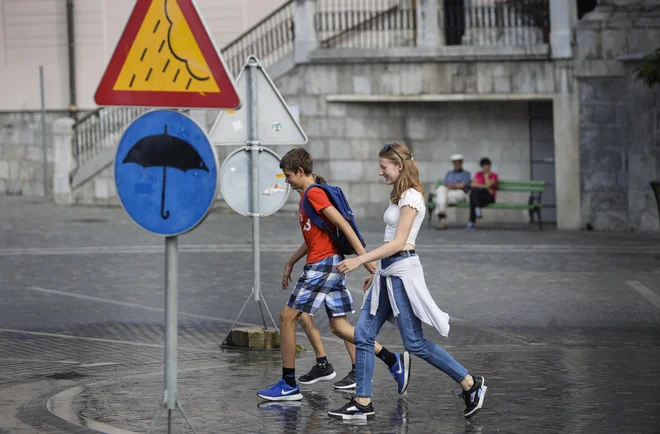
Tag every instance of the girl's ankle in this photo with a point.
(363, 401)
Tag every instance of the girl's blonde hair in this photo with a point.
(409, 177)
(319, 179)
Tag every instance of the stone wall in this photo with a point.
(99, 191)
(619, 118)
(345, 137)
(21, 157)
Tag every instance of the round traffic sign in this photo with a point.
(236, 182)
(166, 172)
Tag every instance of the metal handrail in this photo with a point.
(508, 22)
(245, 33)
(271, 39)
(96, 131)
(377, 22)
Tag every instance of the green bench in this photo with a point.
(533, 205)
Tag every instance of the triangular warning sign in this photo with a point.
(166, 58)
(276, 125)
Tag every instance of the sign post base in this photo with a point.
(169, 419)
(226, 342)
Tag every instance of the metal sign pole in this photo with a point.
(171, 296)
(253, 142)
(171, 395)
(254, 146)
(43, 131)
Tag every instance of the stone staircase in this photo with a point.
(96, 135)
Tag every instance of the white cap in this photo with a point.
(456, 157)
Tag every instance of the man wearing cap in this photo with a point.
(453, 189)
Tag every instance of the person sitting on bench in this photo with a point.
(484, 190)
(454, 189)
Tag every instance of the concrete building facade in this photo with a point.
(532, 97)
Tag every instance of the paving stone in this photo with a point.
(549, 318)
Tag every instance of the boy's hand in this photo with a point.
(366, 283)
(371, 267)
(288, 268)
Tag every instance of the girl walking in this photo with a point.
(398, 289)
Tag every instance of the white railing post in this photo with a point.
(429, 28)
(63, 160)
(566, 117)
(304, 32)
(561, 28)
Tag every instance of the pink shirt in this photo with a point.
(479, 177)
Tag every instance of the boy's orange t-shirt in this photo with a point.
(319, 244)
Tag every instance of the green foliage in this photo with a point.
(649, 71)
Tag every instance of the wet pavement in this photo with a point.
(563, 325)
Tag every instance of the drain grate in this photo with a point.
(68, 375)
(87, 220)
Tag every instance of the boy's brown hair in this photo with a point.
(296, 158)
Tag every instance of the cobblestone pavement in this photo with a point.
(564, 325)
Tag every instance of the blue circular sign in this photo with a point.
(166, 172)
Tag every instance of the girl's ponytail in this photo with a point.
(319, 179)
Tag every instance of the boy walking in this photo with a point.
(322, 370)
(320, 284)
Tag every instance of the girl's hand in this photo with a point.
(366, 283)
(348, 265)
(371, 267)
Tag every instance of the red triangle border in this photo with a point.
(227, 98)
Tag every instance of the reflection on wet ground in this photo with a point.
(562, 324)
(537, 388)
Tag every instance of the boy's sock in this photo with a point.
(387, 357)
(354, 367)
(322, 360)
(289, 375)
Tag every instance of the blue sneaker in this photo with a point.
(281, 391)
(401, 371)
(470, 225)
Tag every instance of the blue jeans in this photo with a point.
(410, 328)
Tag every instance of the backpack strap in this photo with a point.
(311, 212)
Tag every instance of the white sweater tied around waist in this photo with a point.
(411, 273)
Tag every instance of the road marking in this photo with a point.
(103, 340)
(133, 305)
(646, 292)
(17, 359)
(61, 406)
(98, 364)
(495, 331)
(280, 248)
(159, 309)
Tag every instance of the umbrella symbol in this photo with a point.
(163, 150)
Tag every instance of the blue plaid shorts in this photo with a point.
(321, 283)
